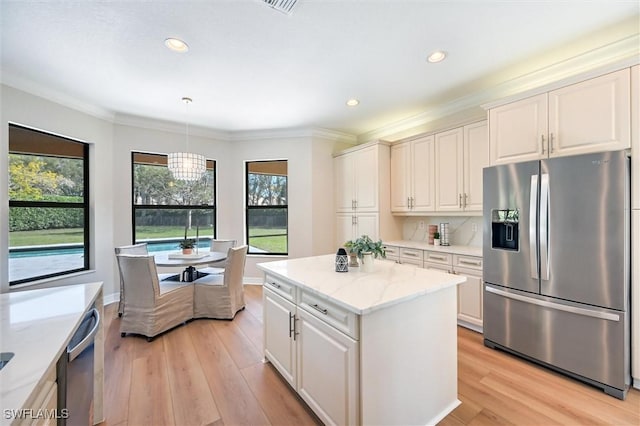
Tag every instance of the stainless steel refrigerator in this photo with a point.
(556, 249)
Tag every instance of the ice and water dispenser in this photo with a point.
(505, 229)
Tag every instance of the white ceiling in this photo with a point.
(250, 67)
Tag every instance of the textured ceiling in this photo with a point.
(250, 67)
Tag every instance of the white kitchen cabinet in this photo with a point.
(475, 157)
(350, 226)
(279, 338)
(363, 201)
(459, 155)
(314, 357)
(327, 370)
(412, 176)
(469, 292)
(448, 158)
(357, 178)
(590, 116)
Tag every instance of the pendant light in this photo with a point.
(187, 166)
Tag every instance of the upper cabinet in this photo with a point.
(441, 172)
(590, 116)
(460, 155)
(357, 179)
(412, 176)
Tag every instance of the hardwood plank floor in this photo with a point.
(210, 372)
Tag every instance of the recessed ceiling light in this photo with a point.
(352, 102)
(176, 45)
(437, 56)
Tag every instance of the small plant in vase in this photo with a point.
(187, 245)
(436, 238)
(364, 247)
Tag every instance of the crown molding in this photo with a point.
(27, 86)
(300, 132)
(620, 54)
(169, 126)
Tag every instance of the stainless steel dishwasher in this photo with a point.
(75, 374)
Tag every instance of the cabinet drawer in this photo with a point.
(438, 267)
(392, 252)
(409, 253)
(469, 262)
(437, 257)
(281, 287)
(411, 261)
(336, 316)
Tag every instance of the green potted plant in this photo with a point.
(364, 246)
(436, 238)
(187, 245)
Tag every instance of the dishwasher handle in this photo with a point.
(74, 352)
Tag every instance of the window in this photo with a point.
(48, 205)
(267, 208)
(166, 210)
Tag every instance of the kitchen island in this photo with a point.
(360, 347)
(36, 326)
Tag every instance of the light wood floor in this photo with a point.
(210, 372)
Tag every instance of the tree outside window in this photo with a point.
(48, 205)
(166, 210)
(267, 207)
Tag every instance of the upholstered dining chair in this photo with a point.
(221, 246)
(140, 248)
(151, 307)
(221, 296)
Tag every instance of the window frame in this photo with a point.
(248, 208)
(135, 207)
(84, 205)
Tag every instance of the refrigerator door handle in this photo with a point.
(533, 215)
(544, 226)
(557, 306)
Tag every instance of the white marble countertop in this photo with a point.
(361, 292)
(37, 326)
(422, 245)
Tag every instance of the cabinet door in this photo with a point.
(518, 131)
(366, 178)
(591, 116)
(423, 174)
(400, 177)
(448, 158)
(635, 138)
(367, 224)
(470, 298)
(279, 346)
(345, 190)
(327, 371)
(476, 156)
(345, 228)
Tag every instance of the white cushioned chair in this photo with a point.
(151, 307)
(221, 296)
(132, 249)
(221, 246)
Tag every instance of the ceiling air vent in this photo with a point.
(284, 6)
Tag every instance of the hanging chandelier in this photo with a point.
(186, 166)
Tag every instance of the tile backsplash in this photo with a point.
(463, 230)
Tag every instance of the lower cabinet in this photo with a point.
(319, 361)
(469, 292)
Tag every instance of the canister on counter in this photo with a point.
(444, 234)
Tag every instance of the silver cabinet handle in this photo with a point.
(319, 309)
(412, 202)
(551, 143)
(437, 257)
(408, 202)
(542, 143)
(275, 284)
(464, 201)
(468, 262)
(292, 325)
(410, 254)
(355, 203)
(460, 200)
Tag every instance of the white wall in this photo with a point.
(31, 111)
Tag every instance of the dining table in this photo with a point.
(189, 261)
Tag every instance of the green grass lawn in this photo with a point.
(262, 238)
